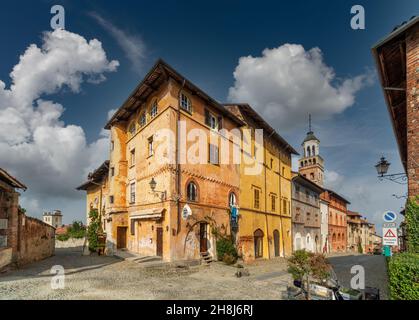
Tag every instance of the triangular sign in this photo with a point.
(389, 234)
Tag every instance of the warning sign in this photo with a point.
(390, 236)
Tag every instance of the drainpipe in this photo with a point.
(280, 207)
(178, 186)
(266, 206)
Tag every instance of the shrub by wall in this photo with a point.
(226, 251)
(403, 270)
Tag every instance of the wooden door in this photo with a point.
(159, 245)
(276, 243)
(121, 237)
(203, 241)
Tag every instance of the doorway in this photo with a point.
(203, 237)
(258, 237)
(121, 237)
(159, 244)
(276, 242)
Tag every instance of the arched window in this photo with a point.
(308, 152)
(143, 120)
(314, 161)
(185, 102)
(334, 237)
(313, 150)
(192, 191)
(338, 236)
(132, 129)
(153, 109)
(232, 199)
(302, 164)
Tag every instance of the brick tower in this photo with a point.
(311, 164)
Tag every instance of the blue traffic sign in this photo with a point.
(389, 216)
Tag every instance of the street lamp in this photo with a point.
(382, 168)
(153, 185)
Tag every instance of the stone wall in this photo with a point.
(36, 240)
(70, 243)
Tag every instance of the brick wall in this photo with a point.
(412, 105)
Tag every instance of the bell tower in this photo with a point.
(311, 164)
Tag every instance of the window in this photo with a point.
(211, 120)
(283, 171)
(272, 163)
(185, 103)
(312, 176)
(131, 129)
(132, 157)
(132, 192)
(284, 207)
(213, 154)
(112, 145)
(111, 199)
(307, 195)
(153, 109)
(256, 194)
(150, 146)
(273, 199)
(132, 228)
(308, 216)
(232, 200)
(143, 120)
(112, 171)
(192, 192)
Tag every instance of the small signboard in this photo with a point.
(389, 225)
(389, 216)
(389, 236)
(186, 212)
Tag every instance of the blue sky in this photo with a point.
(204, 41)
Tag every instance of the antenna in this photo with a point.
(309, 122)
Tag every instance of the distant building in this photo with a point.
(54, 218)
(324, 225)
(306, 215)
(311, 166)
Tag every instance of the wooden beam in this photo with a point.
(394, 89)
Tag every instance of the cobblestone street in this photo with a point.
(94, 277)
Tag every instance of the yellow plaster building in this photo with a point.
(265, 198)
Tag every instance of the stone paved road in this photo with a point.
(375, 271)
(94, 277)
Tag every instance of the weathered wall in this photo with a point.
(37, 240)
(70, 243)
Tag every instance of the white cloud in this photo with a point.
(132, 45)
(333, 180)
(288, 82)
(50, 157)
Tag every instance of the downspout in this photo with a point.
(266, 196)
(178, 186)
(266, 207)
(280, 207)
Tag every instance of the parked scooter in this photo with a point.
(331, 290)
